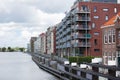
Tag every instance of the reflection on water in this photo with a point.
(19, 66)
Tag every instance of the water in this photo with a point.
(19, 66)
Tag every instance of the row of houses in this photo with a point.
(90, 28)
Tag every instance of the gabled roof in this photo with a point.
(111, 21)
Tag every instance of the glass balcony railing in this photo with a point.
(82, 11)
(82, 36)
(81, 27)
(82, 44)
(83, 19)
(68, 45)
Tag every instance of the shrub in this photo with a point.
(80, 59)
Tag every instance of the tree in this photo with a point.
(22, 49)
(9, 49)
(0, 49)
(3, 49)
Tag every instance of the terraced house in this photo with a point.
(79, 33)
(111, 41)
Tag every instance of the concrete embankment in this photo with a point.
(87, 71)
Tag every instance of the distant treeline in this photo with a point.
(10, 49)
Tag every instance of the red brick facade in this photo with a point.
(98, 13)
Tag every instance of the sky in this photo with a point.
(22, 19)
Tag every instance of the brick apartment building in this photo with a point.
(111, 40)
(50, 40)
(42, 43)
(79, 33)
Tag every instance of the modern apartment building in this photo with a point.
(79, 33)
(37, 45)
(42, 43)
(32, 40)
(111, 40)
(50, 40)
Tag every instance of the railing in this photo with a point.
(81, 36)
(82, 44)
(81, 27)
(83, 18)
(68, 44)
(82, 11)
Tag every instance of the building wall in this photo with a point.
(101, 8)
(42, 43)
(99, 14)
(109, 46)
(50, 37)
(111, 40)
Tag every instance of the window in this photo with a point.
(84, 8)
(97, 50)
(105, 38)
(93, 25)
(119, 34)
(96, 17)
(95, 42)
(95, 9)
(113, 35)
(96, 33)
(109, 37)
(105, 10)
(115, 10)
(106, 17)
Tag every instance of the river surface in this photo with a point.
(19, 66)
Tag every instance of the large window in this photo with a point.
(115, 10)
(113, 35)
(106, 17)
(109, 36)
(93, 25)
(95, 9)
(95, 42)
(105, 38)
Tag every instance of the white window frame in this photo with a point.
(109, 34)
(105, 37)
(93, 25)
(106, 17)
(115, 10)
(113, 34)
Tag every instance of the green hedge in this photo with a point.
(79, 59)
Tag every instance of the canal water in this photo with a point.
(19, 66)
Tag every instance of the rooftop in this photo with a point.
(111, 21)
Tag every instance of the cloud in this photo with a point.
(21, 19)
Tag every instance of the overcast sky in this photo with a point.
(21, 19)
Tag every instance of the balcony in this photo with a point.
(69, 37)
(64, 45)
(68, 22)
(81, 27)
(118, 26)
(82, 18)
(68, 44)
(82, 36)
(82, 44)
(68, 30)
(82, 11)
